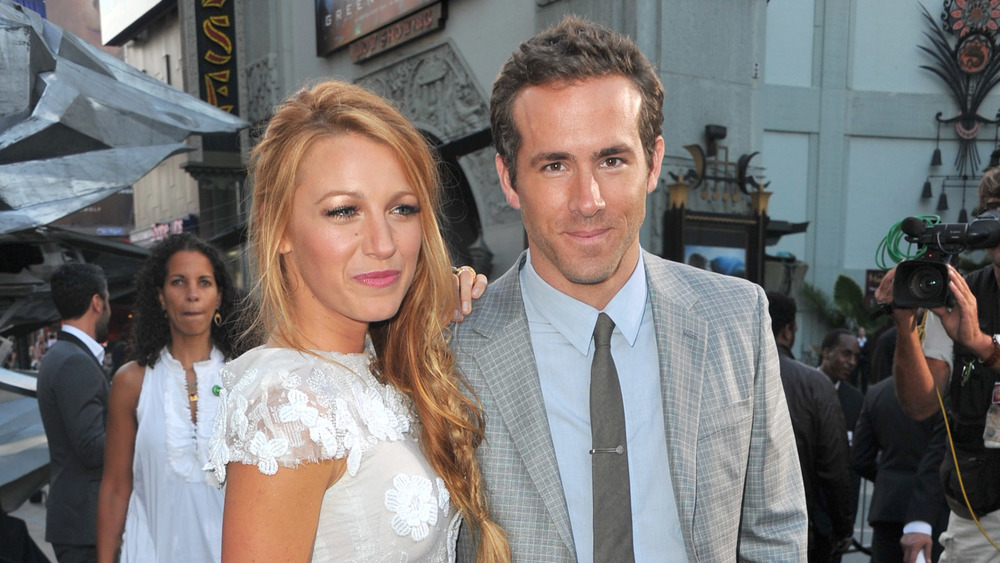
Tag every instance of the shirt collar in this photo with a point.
(574, 319)
(94, 346)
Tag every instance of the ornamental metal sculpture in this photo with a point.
(964, 52)
(77, 125)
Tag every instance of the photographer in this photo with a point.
(959, 357)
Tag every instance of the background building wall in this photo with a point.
(830, 93)
(849, 128)
(167, 192)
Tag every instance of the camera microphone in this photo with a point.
(952, 238)
(913, 227)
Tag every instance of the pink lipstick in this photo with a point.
(383, 278)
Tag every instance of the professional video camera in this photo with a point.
(924, 282)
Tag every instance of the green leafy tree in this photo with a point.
(845, 310)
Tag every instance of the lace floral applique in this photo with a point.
(297, 409)
(239, 421)
(267, 451)
(289, 380)
(412, 499)
(380, 412)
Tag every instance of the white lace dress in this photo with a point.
(285, 408)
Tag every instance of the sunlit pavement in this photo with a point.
(34, 517)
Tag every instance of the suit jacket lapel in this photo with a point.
(67, 337)
(682, 342)
(518, 396)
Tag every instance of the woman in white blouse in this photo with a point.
(347, 437)
(156, 503)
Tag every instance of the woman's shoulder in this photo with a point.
(126, 385)
(263, 356)
(269, 367)
(283, 407)
(129, 377)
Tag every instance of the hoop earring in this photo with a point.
(217, 319)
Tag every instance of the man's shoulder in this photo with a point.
(495, 309)
(658, 268)
(55, 356)
(878, 389)
(804, 375)
(980, 276)
(62, 351)
(850, 389)
(701, 291)
(62, 356)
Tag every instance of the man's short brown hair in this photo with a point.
(573, 50)
(989, 187)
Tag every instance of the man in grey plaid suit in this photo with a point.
(712, 469)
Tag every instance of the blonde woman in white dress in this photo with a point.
(347, 436)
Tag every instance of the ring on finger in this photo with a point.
(458, 271)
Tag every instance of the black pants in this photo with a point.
(820, 548)
(15, 542)
(885, 542)
(75, 553)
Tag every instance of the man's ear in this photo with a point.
(506, 185)
(786, 334)
(655, 164)
(97, 303)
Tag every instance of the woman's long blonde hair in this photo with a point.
(411, 348)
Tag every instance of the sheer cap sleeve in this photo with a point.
(282, 408)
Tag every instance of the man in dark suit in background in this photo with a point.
(839, 356)
(839, 353)
(73, 398)
(901, 456)
(820, 437)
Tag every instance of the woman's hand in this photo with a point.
(469, 285)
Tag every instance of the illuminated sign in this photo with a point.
(395, 34)
(338, 22)
(159, 231)
(217, 73)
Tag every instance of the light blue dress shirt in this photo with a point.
(562, 336)
(94, 346)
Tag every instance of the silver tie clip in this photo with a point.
(619, 450)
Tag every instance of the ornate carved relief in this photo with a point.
(262, 88)
(482, 175)
(435, 90)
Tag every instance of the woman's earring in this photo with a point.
(217, 319)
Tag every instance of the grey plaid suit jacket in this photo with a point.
(733, 463)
